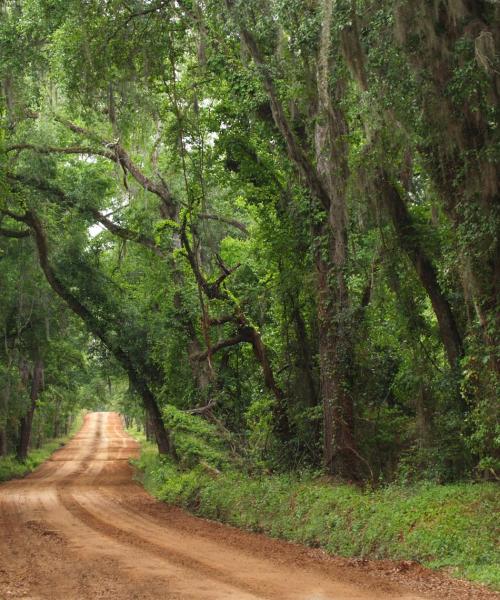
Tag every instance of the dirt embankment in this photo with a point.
(79, 527)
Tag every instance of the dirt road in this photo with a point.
(79, 527)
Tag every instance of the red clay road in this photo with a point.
(80, 527)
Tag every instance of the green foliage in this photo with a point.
(11, 468)
(196, 441)
(164, 128)
(451, 526)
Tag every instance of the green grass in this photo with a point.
(441, 526)
(11, 468)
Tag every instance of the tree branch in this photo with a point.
(222, 320)
(128, 234)
(12, 233)
(118, 230)
(112, 150)
(62, 150)
(232, 341)
(212, 290)
(295, 151)
(96, 327)
(233, 222)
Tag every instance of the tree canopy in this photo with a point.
(280, 216)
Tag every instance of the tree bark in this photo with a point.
(339, 447)
(335, 327)
(26, 423)
(409, 241)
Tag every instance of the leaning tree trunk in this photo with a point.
(99, 330)
(26, 423)
(407, 234)
(459, 152)
(409, 241)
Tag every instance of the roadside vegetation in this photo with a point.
(453, 527)
(12, 467)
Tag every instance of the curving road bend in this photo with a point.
(79, 527)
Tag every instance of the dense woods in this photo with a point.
(281, 217)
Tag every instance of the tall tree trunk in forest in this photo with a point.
(339, 447)
(335, 329)
(327, 184)
(26, 423)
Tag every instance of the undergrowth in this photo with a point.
(11, 468)
(454, 526)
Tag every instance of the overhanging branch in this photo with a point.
(118, 230)
(110, 149)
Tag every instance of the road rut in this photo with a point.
(80, 527)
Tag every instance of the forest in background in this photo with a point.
(275, 219)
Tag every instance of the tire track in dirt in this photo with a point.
(79, 527)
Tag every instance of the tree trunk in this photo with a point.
(26, 422)
(99, 330)
(327, 185)
(339, 446)
(281, 424)
(305, 366)
(395, 206)
(335, 327)
(464, 135)
(3, 442)
(409, 240)
(155, 419)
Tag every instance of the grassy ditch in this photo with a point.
(455, 527)
(11, 468)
